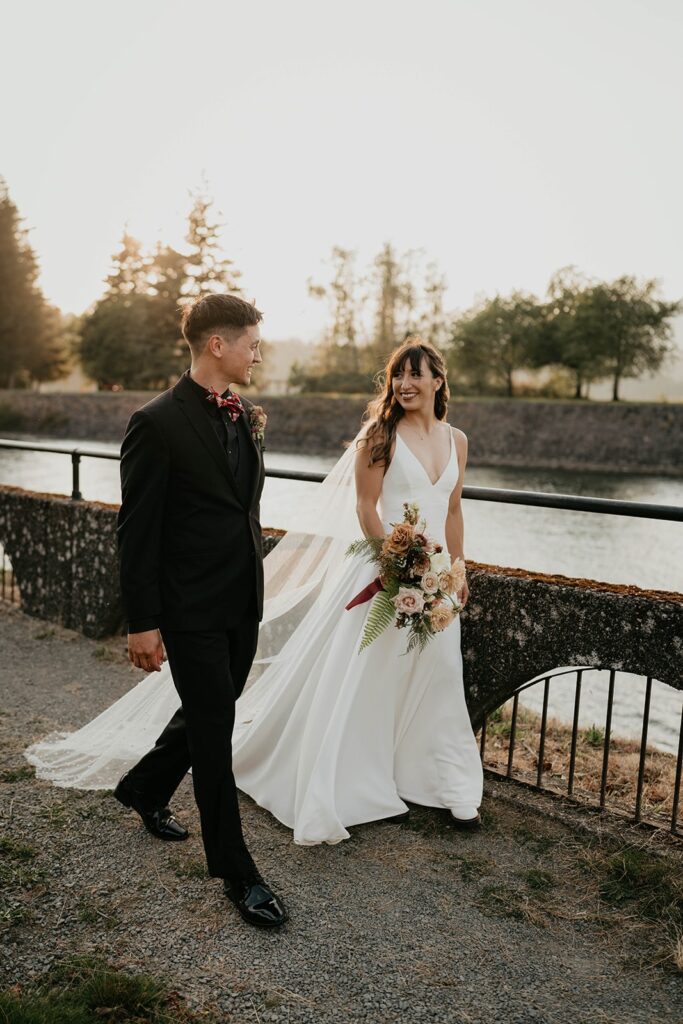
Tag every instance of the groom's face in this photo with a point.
(240, 352)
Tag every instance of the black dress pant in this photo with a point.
(209, 672)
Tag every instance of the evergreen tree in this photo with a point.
(129, 273)
(31, 343)
(209, 271)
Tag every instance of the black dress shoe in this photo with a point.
(256, 903)
(157, 820)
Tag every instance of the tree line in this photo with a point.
(131, 336)
(582, 330)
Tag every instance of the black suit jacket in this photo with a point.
(190, 544)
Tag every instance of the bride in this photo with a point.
(326, 737)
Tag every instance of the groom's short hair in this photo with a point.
(212, 313)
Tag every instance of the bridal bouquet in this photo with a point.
(415, 583)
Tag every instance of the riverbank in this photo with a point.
(624, 437)
(549, 913)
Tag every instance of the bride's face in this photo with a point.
(414, 390)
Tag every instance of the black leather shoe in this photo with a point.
(157, 820)
(256, 903)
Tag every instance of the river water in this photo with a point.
(614, 549)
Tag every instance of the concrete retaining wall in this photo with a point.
(624, 437)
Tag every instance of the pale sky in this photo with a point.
(507, 138)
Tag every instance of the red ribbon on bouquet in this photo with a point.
(366, 594)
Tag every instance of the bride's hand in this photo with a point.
(463, 595)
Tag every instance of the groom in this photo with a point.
(192, 579)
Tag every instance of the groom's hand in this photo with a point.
(146, 650)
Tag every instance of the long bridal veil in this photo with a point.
(298, 573)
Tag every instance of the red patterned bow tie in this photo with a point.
(233, 403)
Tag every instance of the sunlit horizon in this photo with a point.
(505, 140)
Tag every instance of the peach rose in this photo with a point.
(409, 601)
(441, 616)
(399, 540)
(430, 582)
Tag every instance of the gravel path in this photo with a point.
(408, 923)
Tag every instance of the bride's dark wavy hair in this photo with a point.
(384, 412)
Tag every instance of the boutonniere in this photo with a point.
(257, 425)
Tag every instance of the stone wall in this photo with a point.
(631, 437)
(517, 624)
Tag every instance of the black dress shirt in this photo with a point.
(226, 430)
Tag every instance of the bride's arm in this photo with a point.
(455, 524)
(368, 489)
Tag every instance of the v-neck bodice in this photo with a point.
(407, 480)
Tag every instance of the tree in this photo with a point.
(131, 336)
(114, 349)
(338, 352)
(208, 270)
(637, 328)
(169, 279)
(31, 343)
(389, 297)
(495, 338)
(435, 322)
(572, 335)
(129, 273)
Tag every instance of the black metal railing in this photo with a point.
(567, 502)
(539, 499)
(659, 819)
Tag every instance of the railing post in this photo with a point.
(75, 476)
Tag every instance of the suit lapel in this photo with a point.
(190, 403)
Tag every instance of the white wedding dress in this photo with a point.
(325, 737)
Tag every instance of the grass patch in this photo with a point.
(16, 869)
(647, 891)
(190, 869)
(16, 851)
(474, 867)
(594, 737)
(647, 884)
(97, 914)
(12, 917)
(25, 771)
(539, 881)
(86, 991)
(506, 901)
